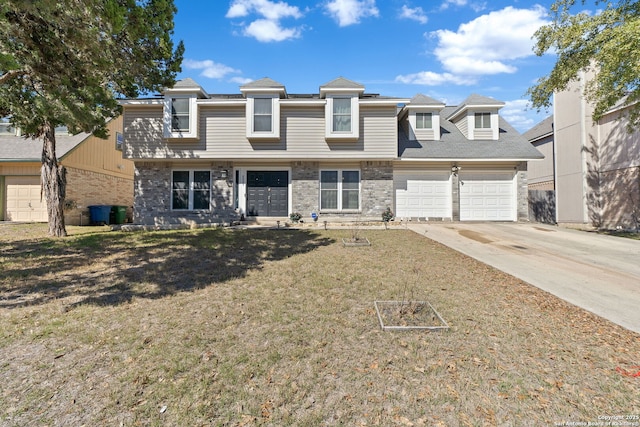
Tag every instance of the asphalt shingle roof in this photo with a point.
(543, 128)
(18, 148)
(454, 145)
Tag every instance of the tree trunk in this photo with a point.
(54, 183)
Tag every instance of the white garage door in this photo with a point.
(421, 194)
(23, 199)
(488, 196)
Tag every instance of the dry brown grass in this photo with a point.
(264, 327)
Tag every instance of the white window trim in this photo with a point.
(482, 113)
(432, 133)
(193, 118)
(190, 203)
(471, 124)
(355, 118)
(275, 117)
(339, 209)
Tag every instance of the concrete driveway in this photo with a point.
(596, 272)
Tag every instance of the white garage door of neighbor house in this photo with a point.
(421, 194)
(23, 199)
(487, 196)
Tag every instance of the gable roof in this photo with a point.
(20, 149)
(475, 101)
(187, 85)
(265, 82)
(342, 83)
(424, 100)
(453, 145)
(541, 130)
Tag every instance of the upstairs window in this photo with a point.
(262, 114)
(483, 120)
(342, 114)
(424, 121)
(263, 117)
(191, 190)
(179, 115)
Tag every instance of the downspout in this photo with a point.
(555, 161)
(583, 149)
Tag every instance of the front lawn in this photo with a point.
(278, 327)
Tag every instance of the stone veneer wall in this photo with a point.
(305, 188)
(523, 192)
(377, 188)
(152, 196)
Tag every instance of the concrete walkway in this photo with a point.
(596, 272)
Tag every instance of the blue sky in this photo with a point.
(446, 49)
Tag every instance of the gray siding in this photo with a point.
(222, 135)
(482, 134)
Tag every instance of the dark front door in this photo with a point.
(267, 193)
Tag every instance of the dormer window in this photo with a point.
(424, 121)
(341, 117)
(180, 117)
(483, 120)
(263, 116)
(342, 114)
(342, 110)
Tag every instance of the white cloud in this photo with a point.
(429, 78)
(240, 80)
(266, 8)
(349, 12)
(417, 14)
(447, 3)
(486, 44)
(268, 27)
(517, 115)
(265, 30)
(209, 68)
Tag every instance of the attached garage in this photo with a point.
(488, 196)
(422, 194)
(23, 199)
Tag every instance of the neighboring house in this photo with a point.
(97, 174)
(594, 166)
(541, 173)
(341, 152)
(542, 195)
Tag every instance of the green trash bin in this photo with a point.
(119, 214)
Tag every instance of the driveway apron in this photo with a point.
(599, 273)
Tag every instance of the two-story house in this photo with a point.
(341, 153)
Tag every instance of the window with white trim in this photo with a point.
(339, 190)
(179, 114)
(263, 117)
(424, 121)
(191, 190)
(342, 114)
(483, 120)
(180, 117)
(342, 117)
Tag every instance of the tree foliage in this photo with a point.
(606, 41)
(66, 62)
